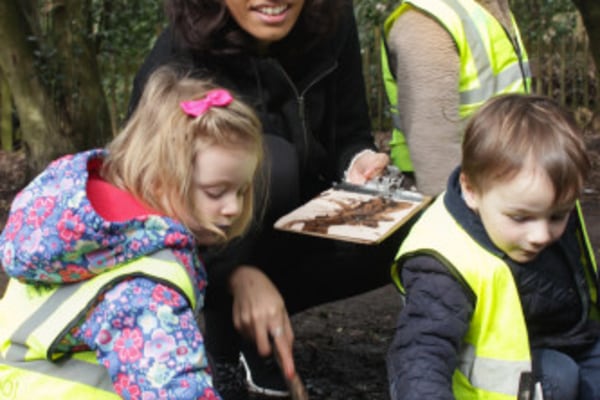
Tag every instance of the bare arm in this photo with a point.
(427, 71)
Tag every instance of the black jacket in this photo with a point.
(317, 103)
(438, 310)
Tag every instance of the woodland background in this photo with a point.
(66, 68)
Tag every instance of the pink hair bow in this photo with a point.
(214, 98)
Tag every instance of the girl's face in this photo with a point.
(222, 179)
(267, 20)
(519, 214)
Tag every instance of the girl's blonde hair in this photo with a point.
(508, 129)
(153, 156)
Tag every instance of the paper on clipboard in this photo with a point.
(360, 215)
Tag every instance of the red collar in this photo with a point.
(110, 202)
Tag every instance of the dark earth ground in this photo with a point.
(340, 347)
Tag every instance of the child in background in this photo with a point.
(102, 251)
(468, 52)
(499, 276)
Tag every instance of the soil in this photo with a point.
(340, 347)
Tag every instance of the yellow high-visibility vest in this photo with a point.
(492, 62)
(495, 350)
(34, 319)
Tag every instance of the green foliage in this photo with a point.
(546, 20)
(125, 31)
(47, 65)
(371, 14)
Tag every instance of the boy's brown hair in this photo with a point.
(153, 156)
(508, 129)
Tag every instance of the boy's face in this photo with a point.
(518, 214)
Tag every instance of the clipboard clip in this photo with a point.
(388, 185)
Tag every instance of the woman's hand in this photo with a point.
(366, 165)
(259, 313)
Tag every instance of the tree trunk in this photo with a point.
(6, 131)
(58, 91)
(590, 13)
(40, 127)
(86, 102)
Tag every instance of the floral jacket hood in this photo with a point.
(53, 235)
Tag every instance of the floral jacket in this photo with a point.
(144, 332)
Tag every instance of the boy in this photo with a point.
(499, 276)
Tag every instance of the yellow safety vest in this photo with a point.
(491, 61)
(33, 320)
(495, 351)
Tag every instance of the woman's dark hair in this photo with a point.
(206, 26)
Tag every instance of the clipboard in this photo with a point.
(354, 213)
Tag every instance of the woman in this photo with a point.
(298, 64)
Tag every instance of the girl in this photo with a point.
(102, 251)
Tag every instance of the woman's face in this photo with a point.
(267, 20)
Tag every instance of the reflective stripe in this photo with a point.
(493, 375)
(396, 119)
(506, 81)
(489, 85)
(56, 299)
(40, 332)
(29, 350)
(71, 370)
